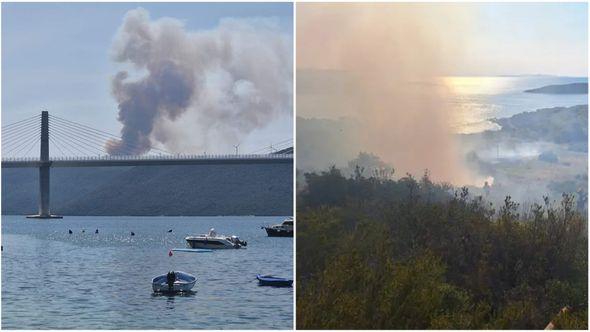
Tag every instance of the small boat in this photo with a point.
(285, 229)
(214, 241)
(273, 281)
(174, 282)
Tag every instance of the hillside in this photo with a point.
(557, 124)
(412, 254)
(572, 88)
(155, 190)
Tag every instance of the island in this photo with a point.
(562, 89)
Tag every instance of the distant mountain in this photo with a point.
(572, 88)
(155, 190)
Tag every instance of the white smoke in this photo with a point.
(201, 90)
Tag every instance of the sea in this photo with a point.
(55, 280)
(474, 100)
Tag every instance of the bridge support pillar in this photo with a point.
(44, 212)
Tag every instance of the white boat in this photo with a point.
(174, 282)
(212, 240)
(285, 229)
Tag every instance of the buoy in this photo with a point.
(132, 234)
(96, 232)
(170, 253)
(83, 230)
(70, 231)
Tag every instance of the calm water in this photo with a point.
(54, 280)
(478, 98)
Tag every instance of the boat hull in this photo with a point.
(273, 281)
(273, 232)
(210, 244)
(184, 283)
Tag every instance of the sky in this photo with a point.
(475, 39)
(57, 56)
(530, 38)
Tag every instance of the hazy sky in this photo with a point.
(57, 56)
(530, 38)
(476, 39)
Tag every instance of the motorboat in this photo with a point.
(173, 282)
(284, 229)
(269, 280)
(212, 240)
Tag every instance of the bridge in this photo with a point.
(83, 146)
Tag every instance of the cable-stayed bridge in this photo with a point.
(76, 145)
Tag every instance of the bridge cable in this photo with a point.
(8, 145)
(280, 146)
(57, 146)
(34, 144)
(134, 147)
(277, 146)
(79, 128)
(30, 143)
(16, 130)
(79, 146)
(80, 138)
(101, 137)
(105, 133)
(84, 126)
(70, 143)
(103, 145)
(25, 138)
(34, 117)
(83, 129)
(18, 147)
(9, 151)
(27, 128)
(55, 142)
(20, 124)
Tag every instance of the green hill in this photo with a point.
(155, 190)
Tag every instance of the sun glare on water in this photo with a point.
(468, 113)
(475, 85)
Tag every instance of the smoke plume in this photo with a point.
(189, 91)
(390, 57)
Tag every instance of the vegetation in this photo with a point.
(183, 190)
(378, 253)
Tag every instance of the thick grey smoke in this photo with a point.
(198, 90)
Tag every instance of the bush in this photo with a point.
(377, 253)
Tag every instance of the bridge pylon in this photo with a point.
(44, 212)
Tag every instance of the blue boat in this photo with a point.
(273, 281)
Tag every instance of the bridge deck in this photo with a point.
(149, 161)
